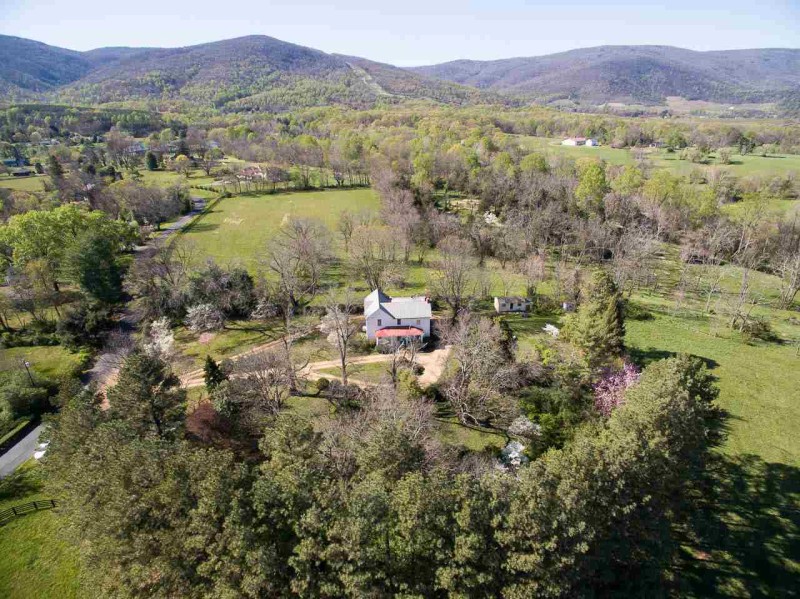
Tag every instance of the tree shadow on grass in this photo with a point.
(200, 227)
(744, 535)
(643, 356)
(19, 485)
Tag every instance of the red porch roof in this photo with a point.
(399, 332)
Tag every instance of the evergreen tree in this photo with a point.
(598, 326)
(55, 170)
(213, 374)
(148, 397)
(151, 160)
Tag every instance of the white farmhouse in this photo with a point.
(591, 142)
(405, 317)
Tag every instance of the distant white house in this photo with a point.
(504, 305)
(580, 141)
(404, 317)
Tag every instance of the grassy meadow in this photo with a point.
(36, 562)
(32, 183)
(238, 228)
(51, 361)
(740, 166)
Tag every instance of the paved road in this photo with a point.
(20, 453)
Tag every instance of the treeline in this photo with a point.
(371, 504)
(19, 123)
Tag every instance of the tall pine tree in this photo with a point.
(598, 327)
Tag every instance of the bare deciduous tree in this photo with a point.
(454, 281)
(298, 255)
(372, 257)
(259, 386)
(340, 327)
(482, 372)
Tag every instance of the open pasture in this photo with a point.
(32, 183)
(237, 229)
(750, 165)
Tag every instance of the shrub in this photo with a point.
(635, 311)
(85, 325)
(6, 414)
(25, 397)
(321, 385)
(758, 328)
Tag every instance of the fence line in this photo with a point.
(26, 508)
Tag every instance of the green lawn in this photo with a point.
(376, 372)
(474, 439)
(237, 337)
(759, 383)
(745, 543)
(238, 228)
(311, 408)
(32, 183)
(166, 178)
(36, 562)
(50, 361)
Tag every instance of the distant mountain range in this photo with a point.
(630, 74)
(262, 73)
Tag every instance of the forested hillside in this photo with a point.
(253, 73)
(635, 74)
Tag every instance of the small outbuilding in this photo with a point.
(505, 305)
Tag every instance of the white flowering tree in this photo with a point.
(204, 317)
(160, 340)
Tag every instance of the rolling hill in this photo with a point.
(630, 74)
(242, 74)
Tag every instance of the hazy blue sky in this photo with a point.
(407, 32)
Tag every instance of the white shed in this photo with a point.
(504, 305)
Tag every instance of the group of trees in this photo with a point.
(371, 503)
(42, 252)
(42, 249)
(174, 284)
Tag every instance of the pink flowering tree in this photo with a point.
(609, 390)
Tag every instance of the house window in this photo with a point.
(398, 322)
(379, 322)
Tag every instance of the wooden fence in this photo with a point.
(26, 508)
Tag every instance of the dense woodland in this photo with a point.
(241, 496)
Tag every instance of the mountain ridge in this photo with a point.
(633, 73)
(258, 72)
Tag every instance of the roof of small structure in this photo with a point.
(513, 298)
